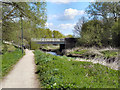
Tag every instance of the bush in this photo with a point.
(4, 48)
(34, 45)
(11, 48)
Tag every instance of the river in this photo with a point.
(53, 53)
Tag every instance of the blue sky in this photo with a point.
(63, 16)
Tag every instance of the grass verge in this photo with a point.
(59, 72)
(9, 59)
(79, 52)
(109, 53)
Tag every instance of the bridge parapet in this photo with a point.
(48, 39)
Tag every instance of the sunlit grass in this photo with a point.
(80, 52)
(9, 59)
(109, 53)
(58, 72)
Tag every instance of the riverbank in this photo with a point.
(64, 72)
(106, 56)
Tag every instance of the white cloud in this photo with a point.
(68, 14)
(63, 28)
(66, 26)
(62, 1)
(68, 1)
(92, 0)
(50, 17)
(71, 13)
(49, 25)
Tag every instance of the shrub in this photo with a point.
(11, 48)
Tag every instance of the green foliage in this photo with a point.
(80, 52)
(103, 29)
(34, 11)
(105, 10)
(11, 31)
(69, 36)
(78, 26)
(4, 49)
(34, 45)
(116, 34)
(33, 20)
(58, 72)
(91, 32)
(7, 48)
(57, 34)
(50, 47)
(96, 33)
(9, 59)
(109, 53)
(10, 48)
(48, 33)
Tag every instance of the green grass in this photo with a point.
(50, 47)
(10, 48)
(80, 52)
(0, 66)
(58, 72)
(9, 59)
(109, 53)
(34, 45)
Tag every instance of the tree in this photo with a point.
(78, 26)
(91, 33)
(48, 33)
(108, 13)
(69, 36)
(57, 34)
(103, 28)
(116, 34)
(34, 11)
(34, 19)
(105, 10)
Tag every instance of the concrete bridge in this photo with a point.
(49, 41)
(65, 43)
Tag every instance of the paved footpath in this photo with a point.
(23, 74)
